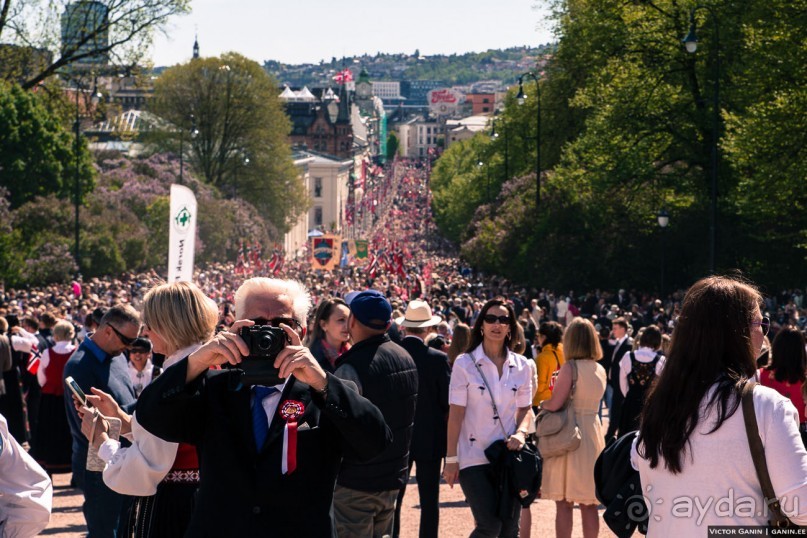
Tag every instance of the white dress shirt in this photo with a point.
(643, 354)
(467, 389)
(141, 378)
(23, 341)
(26, 492)
(138, 469)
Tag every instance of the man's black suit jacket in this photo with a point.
(613, 377)
(243, 492)
(431, 411)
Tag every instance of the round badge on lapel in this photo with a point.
(291, 410)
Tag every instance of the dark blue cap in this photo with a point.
(372, 309)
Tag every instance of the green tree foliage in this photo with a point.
(392, 146)
(626, 130)
(124, 225)
(241, 146)
(119, 31)
(37, 154)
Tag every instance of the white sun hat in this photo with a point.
(418, 314)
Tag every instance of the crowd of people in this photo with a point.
(408, 358)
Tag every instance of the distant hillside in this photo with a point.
(455, 69)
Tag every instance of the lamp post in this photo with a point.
(663, 220)
(522, 97)
(193, 132)
(691, 44)
(94, 99)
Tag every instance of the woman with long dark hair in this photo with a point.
(488, 374)
(692, 449)
(329, 335)
(786, 372)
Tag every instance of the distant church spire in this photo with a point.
(195, 47)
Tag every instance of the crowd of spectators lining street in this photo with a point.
(407, 260)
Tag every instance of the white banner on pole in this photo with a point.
(182, 235)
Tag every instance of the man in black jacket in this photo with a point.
(254, 482)
(365, 495)
(431, 415)
(623, 344)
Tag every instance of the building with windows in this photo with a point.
(481, 103)
(326, 180)
(80, 20)
(321, 121)
(387, 90)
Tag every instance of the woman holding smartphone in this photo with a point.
(164, 476)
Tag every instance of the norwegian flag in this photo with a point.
(34, 360)
(281, 261)
(273, 261)
(344, 76)
(372, 269)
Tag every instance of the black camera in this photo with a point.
(257, 368)
(264, 341)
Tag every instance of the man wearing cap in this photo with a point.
(385, 374)
(431, 415)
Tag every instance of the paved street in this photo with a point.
(67, 520)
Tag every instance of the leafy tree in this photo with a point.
(392, 146)
(122, 36)
(626, 130)
(37, 155)
(241, 147)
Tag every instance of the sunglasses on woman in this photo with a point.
(490, 318)
(765, 323)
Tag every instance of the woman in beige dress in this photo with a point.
(569, 478)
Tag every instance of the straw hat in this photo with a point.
(418, 314)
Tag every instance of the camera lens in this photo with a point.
(266, 341)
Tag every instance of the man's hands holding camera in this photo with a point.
(228, 347)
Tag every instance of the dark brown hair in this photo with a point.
(476, 332)
(651, 337)
(789, 358)
(711, 345)
(552, 331)
(324, 311)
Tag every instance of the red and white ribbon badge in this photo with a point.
(290, 410)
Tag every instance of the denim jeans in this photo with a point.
(105, 511)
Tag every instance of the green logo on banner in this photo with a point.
(183, 219)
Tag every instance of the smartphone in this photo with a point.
(73, 386)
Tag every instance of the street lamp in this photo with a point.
(663, 220)
(691, 44)
(193, 132)
(522, 98)
(94, 99)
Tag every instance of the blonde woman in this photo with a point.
(178, 319)
(569, 479)
(52, 447)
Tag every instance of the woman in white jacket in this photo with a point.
(178, 319)
(692, 452)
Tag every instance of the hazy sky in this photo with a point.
(298, 31)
